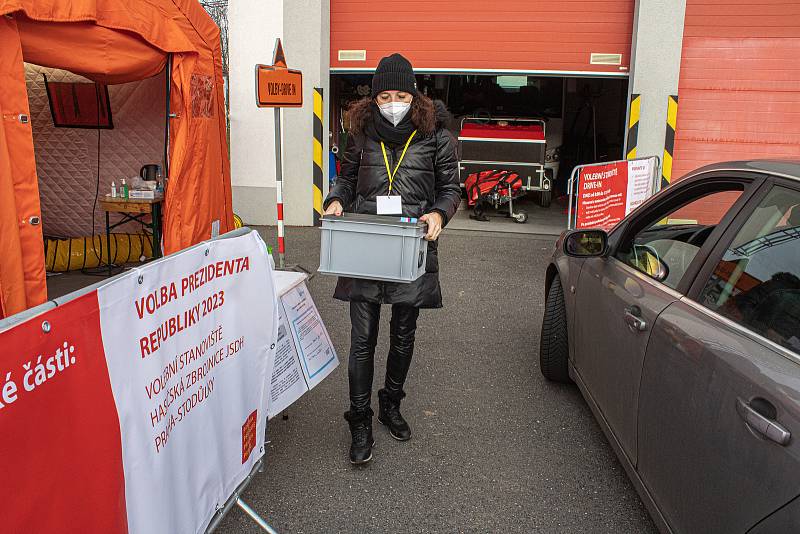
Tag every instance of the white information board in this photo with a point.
(304, 354)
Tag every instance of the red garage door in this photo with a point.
(468, 35)
(739, 90)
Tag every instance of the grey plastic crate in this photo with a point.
(376, 247)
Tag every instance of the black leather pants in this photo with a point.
(364, 321)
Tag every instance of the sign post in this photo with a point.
(278, 86)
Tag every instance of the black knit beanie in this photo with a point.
(394, 73)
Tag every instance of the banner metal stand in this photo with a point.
(236, 500)
(255, 517)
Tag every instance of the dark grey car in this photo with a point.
(682, 329)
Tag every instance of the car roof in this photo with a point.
(785, 168)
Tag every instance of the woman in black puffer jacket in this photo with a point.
(420, 154)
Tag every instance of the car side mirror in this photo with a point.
(586, 243)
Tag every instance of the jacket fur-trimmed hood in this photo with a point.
(426, 114)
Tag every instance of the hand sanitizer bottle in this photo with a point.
(113, 189)
(124, 189)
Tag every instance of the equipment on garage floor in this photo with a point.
(502, 159)
(494, 188)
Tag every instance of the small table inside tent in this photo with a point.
(134, 210)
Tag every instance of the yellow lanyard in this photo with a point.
(399, 161)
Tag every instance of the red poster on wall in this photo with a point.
(602, 195)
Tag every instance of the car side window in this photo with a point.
(671, 238)
(757, 281)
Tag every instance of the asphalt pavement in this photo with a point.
(495, 447)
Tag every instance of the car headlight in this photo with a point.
(552, 154)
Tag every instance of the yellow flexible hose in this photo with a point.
(88, 252)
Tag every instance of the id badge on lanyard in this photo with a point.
(392, 204)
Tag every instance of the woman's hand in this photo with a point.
(334, 208)
(434, 220)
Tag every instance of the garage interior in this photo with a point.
(584, 123)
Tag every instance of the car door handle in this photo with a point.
(633, 318)
(768, 428)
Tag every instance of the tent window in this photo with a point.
(79, 105)
(202, 96)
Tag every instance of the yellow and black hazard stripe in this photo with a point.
(669, 140)
(633, 125)
(318, 165)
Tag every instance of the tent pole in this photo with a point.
(168, 116)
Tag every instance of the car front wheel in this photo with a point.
(553, 348)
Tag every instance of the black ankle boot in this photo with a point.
(361, 431)
(389, 414)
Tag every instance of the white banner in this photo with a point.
(190, 344)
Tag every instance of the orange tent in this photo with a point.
(111, 41)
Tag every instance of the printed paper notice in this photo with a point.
(288, 383)
(640, 183)
(317, 355)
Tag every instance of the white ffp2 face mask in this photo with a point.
(394, 111)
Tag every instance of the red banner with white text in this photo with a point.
(60, 451)
(608, 192)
